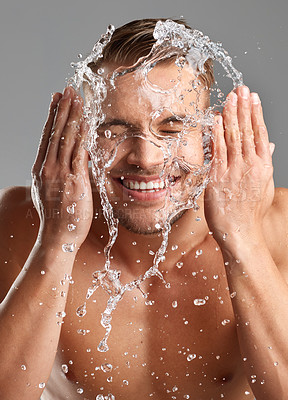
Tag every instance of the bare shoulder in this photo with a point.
(18, 230)
(16, 207)
(276, 228)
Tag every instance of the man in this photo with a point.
(233, 345)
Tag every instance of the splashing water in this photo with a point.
(190, 49)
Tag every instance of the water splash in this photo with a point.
(188, 47)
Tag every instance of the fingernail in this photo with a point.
(272, 147)
(255, 98)
(245, 92)
(233, 98)
(219, 120)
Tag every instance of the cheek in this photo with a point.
(192, 151)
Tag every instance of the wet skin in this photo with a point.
(149, 344)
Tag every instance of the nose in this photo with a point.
(144, 154)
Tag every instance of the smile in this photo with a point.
(147, 186)
(151, 186)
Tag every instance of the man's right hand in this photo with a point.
(61, 189)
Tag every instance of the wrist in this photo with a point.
(55, 247)
(241, 243)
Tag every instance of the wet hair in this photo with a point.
(134, 40)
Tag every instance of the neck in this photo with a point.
(137, 251)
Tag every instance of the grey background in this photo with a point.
(39, 39)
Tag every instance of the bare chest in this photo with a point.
(176, 342)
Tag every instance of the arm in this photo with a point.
(237, 200)
(32, 312)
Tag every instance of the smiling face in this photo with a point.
(152, 134)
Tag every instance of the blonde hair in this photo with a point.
(134, 40)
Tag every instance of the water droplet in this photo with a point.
(71, 209)
(199, 302)
(81, 311)
(215, 276)
(276, 363)
(174, 304)
(191, 357)
(106, 367)
(82, 195)
(61, 314)
(23, 367)
(125, 382)
(179, 264)
(157, 226)
(83, 331)
(198, 253)
(225, 235)
(232, 295)
(43, 272)
(41, 385)
(246, 392)
(65, 368)
(80, 390)
(71, 227)
(108, 134)
(174, 389)
(225, 322)
(102, 347)
(174, 247)
(68, 247)
(186, 396)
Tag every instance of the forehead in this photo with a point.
(166, 85)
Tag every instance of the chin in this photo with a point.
(138, 221)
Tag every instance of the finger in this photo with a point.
(42, 149)
(244, 121)
(271, 148)
(260, 132)
(80, 154)
(60, 121)
(70, 132)
(232, 134)
(219, 147)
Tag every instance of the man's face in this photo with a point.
(154, 149)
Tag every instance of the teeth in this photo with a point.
(141, 185)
